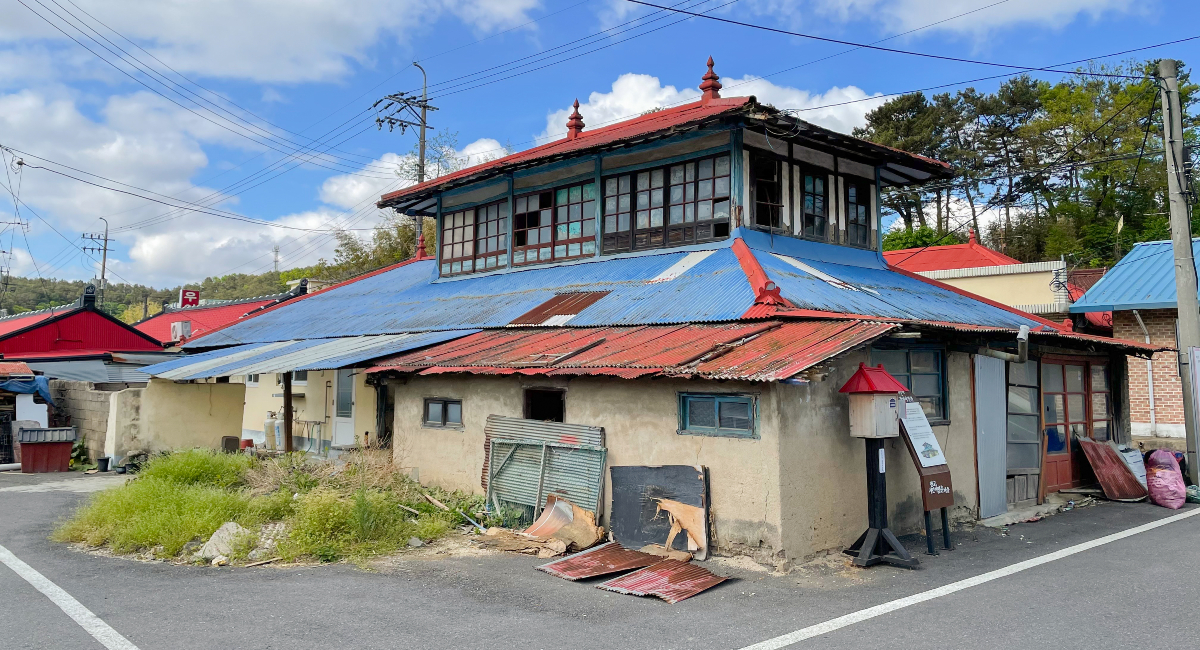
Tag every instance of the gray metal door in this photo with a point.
(990, 435)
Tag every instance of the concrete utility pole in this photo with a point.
(103, 250)
(424, 123)
(391, 114)
(1188, 327)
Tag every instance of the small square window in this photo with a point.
(252, 380)
(442, 412)
(718, 414)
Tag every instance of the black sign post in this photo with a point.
(878, 544)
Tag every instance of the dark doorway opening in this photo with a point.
(545, 404)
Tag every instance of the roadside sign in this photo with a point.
(920, 436)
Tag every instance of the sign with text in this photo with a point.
(920, 436)
(189, 297)
(936, 489)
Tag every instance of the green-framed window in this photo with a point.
(729, 415)
(923, 371)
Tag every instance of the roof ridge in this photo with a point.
(36, 312)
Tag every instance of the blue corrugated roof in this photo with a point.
(1143, 279)
(709, 285)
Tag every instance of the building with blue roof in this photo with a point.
(695, 284)
(1140, 292)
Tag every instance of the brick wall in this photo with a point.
(1168, 392)
(87, 408)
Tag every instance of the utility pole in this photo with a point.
(275, 250)
(398, 103)
(103, 250)
(1188, 323)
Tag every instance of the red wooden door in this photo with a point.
(1064, 415)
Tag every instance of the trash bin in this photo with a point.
(46, 450)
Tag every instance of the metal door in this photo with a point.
(990, 435)
(343, 407)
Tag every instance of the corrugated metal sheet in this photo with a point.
(92, 370)
(1143, 279)
(14, 368)
(73, 329)
(58, 434)
(1116, 479)
(561, 308)
(600, 560)
(573, 466)
(756, 351)
(991, 435)
(312, 354)
(671, 580)
(203, 318)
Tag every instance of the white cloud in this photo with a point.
(633, 94)
(266, 40)
(348, 190)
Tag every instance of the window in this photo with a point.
(1064, 415)
(1024, 442)
(443, 412)
(717, 414)
(252, 380)
(813, 207)
(858, 219)
(555, 225)
(675, 205)
(299, 378)
(767, 181)
(475, 239)
(920, 369)
(547, 405)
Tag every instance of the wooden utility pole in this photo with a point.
(1188, 328)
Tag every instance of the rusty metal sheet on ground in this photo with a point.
(666, 505)
(671, 580)
(597, 561)
(1117, 481)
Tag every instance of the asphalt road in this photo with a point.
(1134, 592)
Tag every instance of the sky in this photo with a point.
(258, 112)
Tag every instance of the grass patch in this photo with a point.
(331, 510)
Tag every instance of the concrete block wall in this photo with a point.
(1168, 391)
(87, 408)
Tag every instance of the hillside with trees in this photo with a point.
(1074, 169)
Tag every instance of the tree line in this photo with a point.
(1073, 169)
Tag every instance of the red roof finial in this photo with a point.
(575, 123)
(710, 85)
(971, 238)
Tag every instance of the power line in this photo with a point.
(870, 46)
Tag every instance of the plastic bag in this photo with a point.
(1164, 480)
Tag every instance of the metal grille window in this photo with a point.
(858, 219)
(443, 412)
(766, 179)
(718, 414)
(1024, 442)
(676, 205)
(813, 207)
(475, 239)
(921, 370)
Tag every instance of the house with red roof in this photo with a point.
(1041, 288)
(685, 288)
(174, 324)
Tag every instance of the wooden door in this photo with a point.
(1064, 416)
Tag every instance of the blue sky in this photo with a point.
(292, 71)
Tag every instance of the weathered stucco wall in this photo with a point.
(1012, 289)
(317, 404)
(640, 419)
(88, 409)
(182, 416)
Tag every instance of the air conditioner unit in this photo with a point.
(181, 329)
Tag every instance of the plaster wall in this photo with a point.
(182, 416)
(313, 410)
(1013, 289)
(640, 419)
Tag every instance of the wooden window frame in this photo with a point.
(453, 232)
(558, 210)
(444, 423)
(801, 212)
(1037, 415)
(939, 419)
(862, 190)
(687, 429)
(781, 187)
(680, 218)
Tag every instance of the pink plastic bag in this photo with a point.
(1164, 480)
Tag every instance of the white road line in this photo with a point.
(900, 603)
(73, 608)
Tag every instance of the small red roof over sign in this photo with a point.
(872, 380)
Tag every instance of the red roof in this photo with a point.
(14, 368)
(203, 318)
(69, 329)
(762, 351)
(20, 321)
(872, 380)
(941, 258)
(638, 126)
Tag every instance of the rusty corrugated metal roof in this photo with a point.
(559, 309)
(671, 580)
(1115, 477)
(600, 560)
(761, 351)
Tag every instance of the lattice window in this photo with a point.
(533, 228)
(668, 206)
(813, 206)
(858, 215)
(458, 242)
